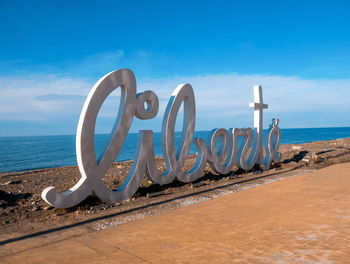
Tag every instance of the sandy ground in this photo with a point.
(22, 211)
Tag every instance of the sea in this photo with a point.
(38, 152)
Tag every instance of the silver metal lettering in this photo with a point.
(145, 105)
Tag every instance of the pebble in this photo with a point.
(198, 184)
(99, 207)
(49, 207)
(296, 147)
(319, 159)
(7, 183)
(154, 194)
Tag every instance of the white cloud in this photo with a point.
(218, 97)
(229, 94)
(22, 98)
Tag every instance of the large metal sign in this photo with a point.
(232, 151)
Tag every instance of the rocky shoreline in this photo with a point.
(22, 211)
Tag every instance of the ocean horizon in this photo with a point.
(21, 153)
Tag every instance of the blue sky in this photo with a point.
(52, 52)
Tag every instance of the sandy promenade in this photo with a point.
(301, 219)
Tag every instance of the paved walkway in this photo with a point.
(302, 219)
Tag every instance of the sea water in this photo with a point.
(37, 152)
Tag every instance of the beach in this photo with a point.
(23, 211)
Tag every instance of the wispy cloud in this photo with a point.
(30, 97)
(221, 99)
(227, 95)
(218, 97)
(93, 65)
(60, 97)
